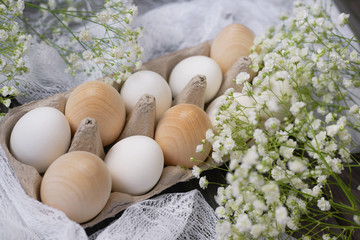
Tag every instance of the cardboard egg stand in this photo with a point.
(29, 177)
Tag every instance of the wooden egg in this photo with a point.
(98, 100)
(179, 131)
(230, 43)
(77, 183)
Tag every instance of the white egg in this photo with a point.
(147, 82)
(40, 136)
(213, 109)
(136, 164)
(186, 69)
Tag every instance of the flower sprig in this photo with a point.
(96, 36)
(14, 44)
(87, 35)
(285, 138)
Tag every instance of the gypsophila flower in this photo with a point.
(323, 204)
(52, 4)
(203, 182)
(104, 16)
(220, 211)
(196, 171)
(209, 134)
(329, 117)
(257, 229)
(223, 229)
(242, 77)
(6, 102)
(138, 64)
(63, 33)
(251, 157)
(281, 149)
(85, 36)
(88, 55)
(332, 130)
(326, 237)
(287, 150)
(354, 56)
(301, 15)
(260, 137)
(117, 52)
(343, 19)
(297, 165)
(272, 125)
(354, 109)
(348, 83)
(357, 219)
(3, 35)
(20, 6)
(252, 118)
(99, 60)
(281, 215)
(316, 124)
(272, 192)
(297, 107)
(316, 9)
(243, 223)
(199, 148)
(73, 58)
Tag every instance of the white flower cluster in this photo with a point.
(117, 51)
(14, 44)
(280, 147)
(101, 38)
(122, 52)
(6, 92)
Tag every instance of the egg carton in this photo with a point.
(87, 136)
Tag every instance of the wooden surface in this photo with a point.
(346, 6)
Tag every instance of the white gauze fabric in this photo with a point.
(170, 216)
(22, 217)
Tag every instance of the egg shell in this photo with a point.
(77, 183)
(189, 67)
(98, 100)
(39, 137)
(213, 109)
(136, 164)
(146, 82)
(232, 42)
(180, 130)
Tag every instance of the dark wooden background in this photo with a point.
(346, 6)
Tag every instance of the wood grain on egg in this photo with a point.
(100, 101)
(77, 183)
(178, 133)
(230, 43)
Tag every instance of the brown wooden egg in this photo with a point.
(179, 131)
(77, 183)
(230, 43)
(96, 99)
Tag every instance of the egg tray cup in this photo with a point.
(29, 177)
